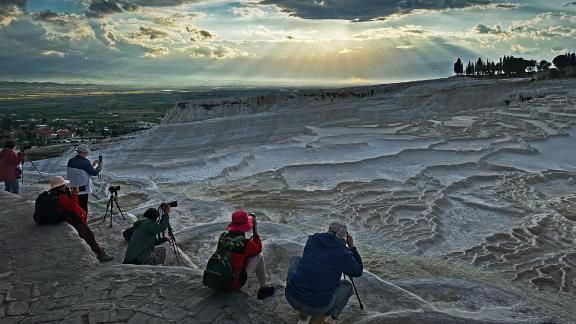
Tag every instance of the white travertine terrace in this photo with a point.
(431, 176)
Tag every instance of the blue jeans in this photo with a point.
(337, 304)
(12, 186)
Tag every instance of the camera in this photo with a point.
(171, 204)
(100, 158)
(114, 189)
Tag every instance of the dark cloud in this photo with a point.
(101, 8)
(362, 10)
(153, 33)
(199, 34)
(10, 9)
(52, 17)
(570, 4)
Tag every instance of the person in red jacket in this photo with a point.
(76, 215)
(9, 162)
(247, 256)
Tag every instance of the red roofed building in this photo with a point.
(64, 133)
(43, 132)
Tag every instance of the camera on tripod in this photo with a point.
(114, 189)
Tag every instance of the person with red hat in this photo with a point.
(247, 256)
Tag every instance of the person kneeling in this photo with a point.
(313, 285)
(75, 215)
(244, 256)
(141, 246)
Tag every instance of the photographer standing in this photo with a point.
(80, 170)
(9, 170)
(141, 245)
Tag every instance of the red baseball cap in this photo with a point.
(241, 222)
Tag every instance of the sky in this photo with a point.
(270, 42)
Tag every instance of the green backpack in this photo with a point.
(219, 274)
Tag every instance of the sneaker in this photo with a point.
(265, 292)
(103, 257)
(330, 320)
(302, 318)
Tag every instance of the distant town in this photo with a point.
(42, 114)
(44, 131)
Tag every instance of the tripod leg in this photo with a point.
(356, 292)
(120, 209)
(111, 209)
(106, 213)
(176, 253)
(34, 165)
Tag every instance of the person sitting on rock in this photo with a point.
(9, 172)
(313, 285)
(247, 257)
(76, 215)
(141, 246)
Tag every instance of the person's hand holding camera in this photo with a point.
(350, 241)
(165, 208)
(95, 163)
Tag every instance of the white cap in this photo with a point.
(58, 181)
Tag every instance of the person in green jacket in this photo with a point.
(141, 247)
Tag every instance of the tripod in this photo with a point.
(110, 206)
(35, 168)
(172, 241)
(356, 292)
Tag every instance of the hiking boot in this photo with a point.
(103, 257)
(265, 292)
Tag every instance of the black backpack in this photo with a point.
(129, 231)
(46, 209)
(219, 274)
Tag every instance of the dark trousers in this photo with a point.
(86, 234)
(83, 202)
(12, 186)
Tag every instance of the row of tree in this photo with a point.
(512, 66)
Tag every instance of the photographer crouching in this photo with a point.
(145, 234)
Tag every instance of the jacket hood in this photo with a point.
(328, 240)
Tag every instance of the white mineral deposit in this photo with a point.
(461, 195)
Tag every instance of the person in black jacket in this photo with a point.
(313, 285)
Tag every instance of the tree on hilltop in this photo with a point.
(458, 67)
(564, 60)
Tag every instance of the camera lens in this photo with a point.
(174, 204)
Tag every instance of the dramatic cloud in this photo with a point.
(152, 33)
(53, 53)
(99, 9)
(199, 34)
(156, 52)
(570, 4)
(483, 29)
(362, 10)
(9, 10)
(214, 51)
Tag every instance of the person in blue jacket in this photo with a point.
(313, 285)
(80, 172)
